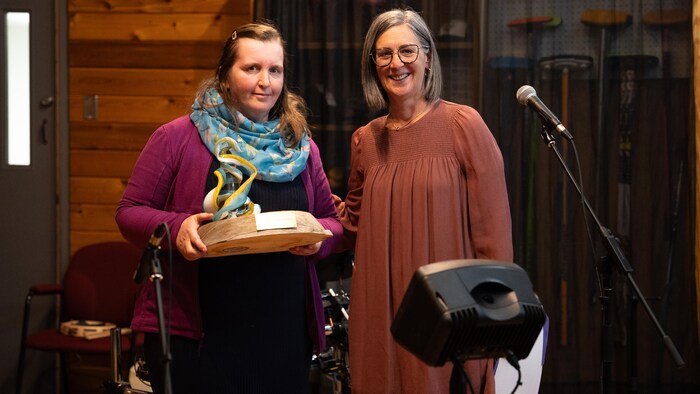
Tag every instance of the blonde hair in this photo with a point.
(290, 108)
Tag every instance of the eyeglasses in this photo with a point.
(407, 54)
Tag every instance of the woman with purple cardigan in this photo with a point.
(245, 323)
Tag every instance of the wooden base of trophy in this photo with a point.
(262, 233)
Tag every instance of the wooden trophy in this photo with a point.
(265, 232)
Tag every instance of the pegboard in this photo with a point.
(572, 37)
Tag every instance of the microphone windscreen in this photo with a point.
(524, 93)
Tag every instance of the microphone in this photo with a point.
(527, 96)
(153, 245)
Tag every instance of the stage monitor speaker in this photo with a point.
(468, 309)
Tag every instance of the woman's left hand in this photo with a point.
(306, 250)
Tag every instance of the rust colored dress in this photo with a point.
(432, 191)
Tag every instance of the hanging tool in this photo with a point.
(532, 25)
(565, 65)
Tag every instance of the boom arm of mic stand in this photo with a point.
(613, 246)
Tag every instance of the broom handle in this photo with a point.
(564, 280)
(599, 146)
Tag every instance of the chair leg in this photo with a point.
(20, 370)
(25, 325)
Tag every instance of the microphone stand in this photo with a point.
(117, 385)
(156, 277)
(604, 271)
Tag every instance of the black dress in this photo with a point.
(253, 312)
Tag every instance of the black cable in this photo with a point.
(170, 285)
(585, 219)
(169, 356)
(512, 360)
(459, 380)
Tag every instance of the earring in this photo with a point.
(233, 35)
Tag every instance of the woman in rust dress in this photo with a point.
(426, 185)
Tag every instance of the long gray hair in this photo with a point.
(375, 95)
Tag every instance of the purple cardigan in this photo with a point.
(167, 185)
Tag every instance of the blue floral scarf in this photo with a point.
(260, 145)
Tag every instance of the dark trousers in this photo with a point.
(183, 366)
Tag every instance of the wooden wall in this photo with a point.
(696, 103)
(143, 60)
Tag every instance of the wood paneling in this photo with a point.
(93, 217)
(144, 60)
(137, 109)
(155, 54)
(79, 238)
(102, 163)
(93, 190)
(696, 91)
(150, 27)
(161, 6)
(114, 136)
(136, 81)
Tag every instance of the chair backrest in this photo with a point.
(98, 283)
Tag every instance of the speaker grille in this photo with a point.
(495, 338)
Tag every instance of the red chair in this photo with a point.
(97, 286)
